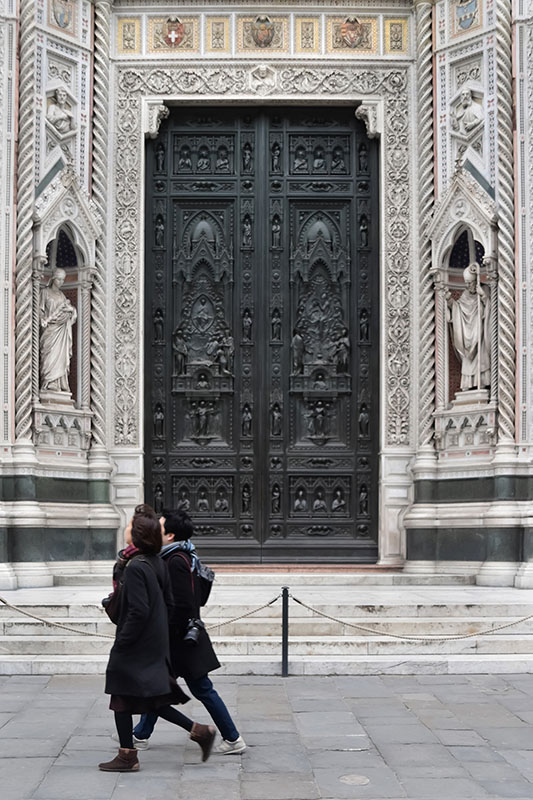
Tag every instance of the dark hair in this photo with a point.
(179, 523)
(146, 530)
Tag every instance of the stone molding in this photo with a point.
(140, 86)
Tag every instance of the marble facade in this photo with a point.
(456, 484)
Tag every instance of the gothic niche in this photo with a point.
(203, 348)
(321, 345)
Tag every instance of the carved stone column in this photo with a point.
(506, 243)
(25, 197)
(100, 196)
(426, 456)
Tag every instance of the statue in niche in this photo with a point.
(229, 349)
(221, 360)
(158, 499)
(276, 499)
(159, 421)
(246, 498)
(204, 162)
(319, 504)
(467, 114)
(203, 314)
(364, 325)
(203, 381)
(319, 160)
(298, 349)
(202, 504)
(276, 231)
(57, 317)
(469, 316)
(276, 420)
(246, 420)
(181, 352)
(320, 381)
(338, 503)
(338, 167)
(300, 161)
(183, 500)
(363, 420)
(363, 499)
(276, 325)
(160, 157)
(159, 231)
(184, 161)
(363, 231)
(158, 325)
(221, 501)
(222, 162)
(316, 419)
(276, 157)
(202, 414)
(247, 322)
(363, 158)
(300, 502)
(247, 231)
(247, 161)
(342, 352)
(59, 113)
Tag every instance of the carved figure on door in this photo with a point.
(363, 158)
(363, 499)
(185, 162)
(342, 352)
(247, 231)
(319, 504)
(222, 162)
(159, 421)
(159, 231)
(276, 499)
(276, 156)
(160, 157)
(298, 349)
(363, 325)
(221, 502)
(246, 420)
(158, 325)
(300, 503)
(363, 420)
(338, 167)
(276, 231)
(319, 160)
(202, 504)
(300, 161)
(276, 325)
(246, 498)
(183, 500)
(204, 162)
(179, 347)
(338, 503)
(276, 422)
(247, 161)
(158, 499)
(247, 322)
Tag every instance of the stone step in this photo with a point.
(410, 664)
(281, 577)
(298, 626)
(77, 646)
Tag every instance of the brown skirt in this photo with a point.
(143, 705)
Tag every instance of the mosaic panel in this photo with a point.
(129, 36)
(217, 35)
(351, 35)
(172, 34)
(466, 16)
(263, 34)
(396, 37)
(307, 35)
(62, 15)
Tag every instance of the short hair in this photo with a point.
(179, 523)
(146, 530)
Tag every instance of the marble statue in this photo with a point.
(59, 114)
(469, 316)
(467, 114)
(57, 315)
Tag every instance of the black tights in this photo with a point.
(124, 723)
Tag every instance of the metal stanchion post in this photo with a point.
(284, 631)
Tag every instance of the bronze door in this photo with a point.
(262, 324)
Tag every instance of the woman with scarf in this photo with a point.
(192, 660)
(138, 675)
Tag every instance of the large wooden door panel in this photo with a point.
(262, 332)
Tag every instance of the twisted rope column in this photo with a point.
(426, 384)
(506, 243)
(24, 341)
(100, 193)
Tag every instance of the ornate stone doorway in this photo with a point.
(262, 352)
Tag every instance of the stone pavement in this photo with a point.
(423, 738)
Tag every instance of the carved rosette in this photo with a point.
(390, 85)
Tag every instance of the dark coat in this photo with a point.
(189, 661)
(139, 663)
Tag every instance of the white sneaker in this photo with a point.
(139, 744)
(227, 748)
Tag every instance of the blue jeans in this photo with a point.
(204, 691)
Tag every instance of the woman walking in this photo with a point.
(138, 675)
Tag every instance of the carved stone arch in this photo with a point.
(203, 268)
(209, 220)
(320, 266)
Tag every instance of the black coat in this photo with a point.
(139, 663)
(189, 661)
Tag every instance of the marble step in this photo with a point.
(414, 664)
(298, 626)
(308, 578)
(269, 646)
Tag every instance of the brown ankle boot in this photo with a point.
(125, 761)
(205, 736)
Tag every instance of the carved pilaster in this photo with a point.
(506, 244)
(100, 195)
(426, 384)
(24, 342)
